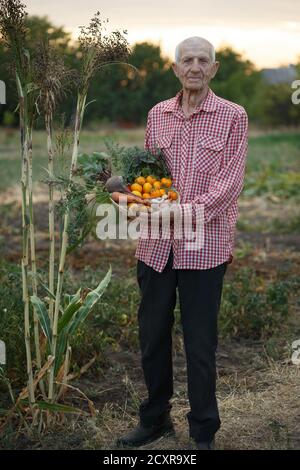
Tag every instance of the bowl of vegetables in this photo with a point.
(144, 178)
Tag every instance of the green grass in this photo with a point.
(10, 160)
(273, 166)
(273, 163)
(10, 170)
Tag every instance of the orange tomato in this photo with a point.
(140, 180)
(167, 182)
(172, 195)
(162, 192)
(150, 179)
(136, 187)
(146, 195)
(157, 185)
(155, 193)
(137, 193)
(147, 187)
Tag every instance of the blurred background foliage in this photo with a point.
(124, 97)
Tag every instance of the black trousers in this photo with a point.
(199, 296)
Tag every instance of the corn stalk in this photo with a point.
(25, 236)
(81, 100)
(51, 78)
(33, 254)
(13, 31)
(51, 217)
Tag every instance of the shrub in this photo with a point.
(253, 307)
(11, 321)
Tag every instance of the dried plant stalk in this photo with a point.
(12, 15)
(39, 82)
(33, 256)
(97, 50)
(51, 77)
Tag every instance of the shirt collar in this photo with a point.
(209, 104)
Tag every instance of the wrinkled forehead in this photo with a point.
(195, 49)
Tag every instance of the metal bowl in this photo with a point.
(156, 204)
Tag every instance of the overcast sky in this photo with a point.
(265, 31)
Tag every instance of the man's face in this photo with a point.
(195, 68)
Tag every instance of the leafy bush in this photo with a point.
(11, 321)
(86, 342)
(283, 185)
(253, 307)
(115, 318)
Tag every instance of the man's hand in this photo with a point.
(158, 215)
(127, 198)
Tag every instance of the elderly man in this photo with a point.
(204, 140)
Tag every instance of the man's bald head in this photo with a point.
(195, 64)
(194, 41)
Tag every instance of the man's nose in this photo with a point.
(195, 65)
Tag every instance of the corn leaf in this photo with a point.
(43, 316)
(44, 405)
(90, 102)
(89, 302)
(60, 349)
(51, 295)
(70, 310)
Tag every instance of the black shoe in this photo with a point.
(205, 445)
(141, 435)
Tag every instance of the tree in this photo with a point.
(237, 80)
(38, 29)
(126, 95)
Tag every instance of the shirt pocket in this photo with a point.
(209, 153)
(164, 143)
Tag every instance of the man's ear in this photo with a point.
(174, 67)
(216, 66)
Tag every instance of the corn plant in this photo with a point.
(51, 77)
(97, 50)
(13, 32)
(40, 78)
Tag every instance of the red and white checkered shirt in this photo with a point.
(206, 156)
